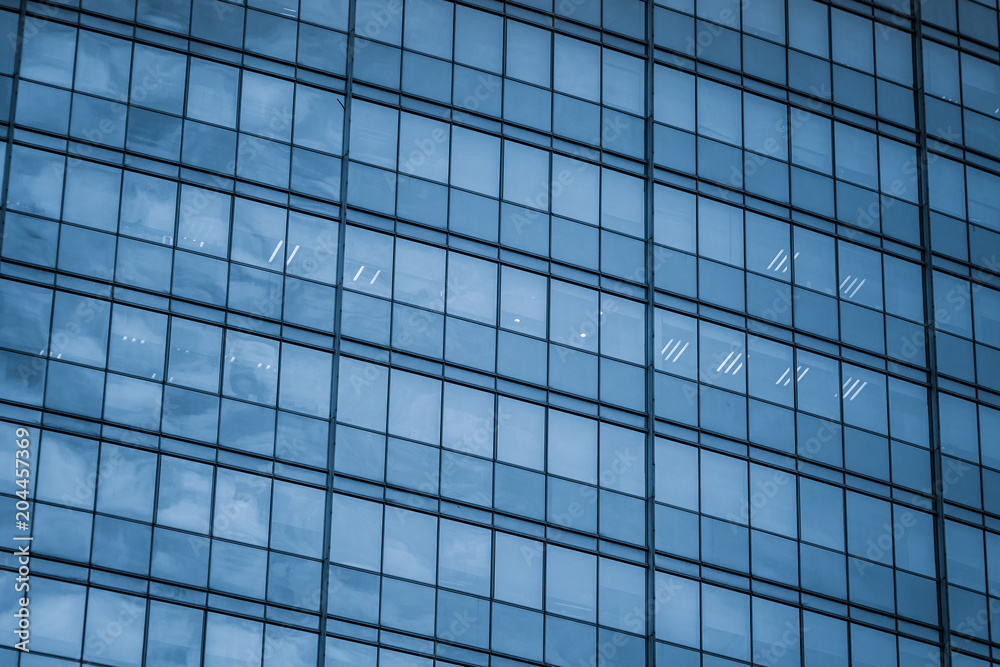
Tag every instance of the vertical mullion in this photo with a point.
(339, 300)
(650, 267)
(937, 463)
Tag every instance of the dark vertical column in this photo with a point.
(650, 609)
(930, 346)
(327, 519)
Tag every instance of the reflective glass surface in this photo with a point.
(501, 334)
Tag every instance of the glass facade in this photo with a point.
(344, 333)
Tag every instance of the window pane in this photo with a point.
(185, 492)
(170, 627)
(623, 81)
(571, 583)
(305, 380)
(528, 51)
(356, 537)
(373, 134)
(472, 288)
(572, 450)
(415, 407)
(410, 545)
(111, 611)
(127, 482)
(464, 558)
(92, 194)
(368, 261)
(475, 161)
(212, 92)
(577, 68)
(36, 179)
(423, 147)
(427, 27)
(230, 640)
(24, 316)
(242, 507)
(251, 368)
(420, 273)
(523, 302)
(57, 616)
(266, 106)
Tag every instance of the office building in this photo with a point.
(501, 334)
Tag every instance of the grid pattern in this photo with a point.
(502, 334)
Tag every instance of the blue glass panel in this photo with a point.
(170, 626)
